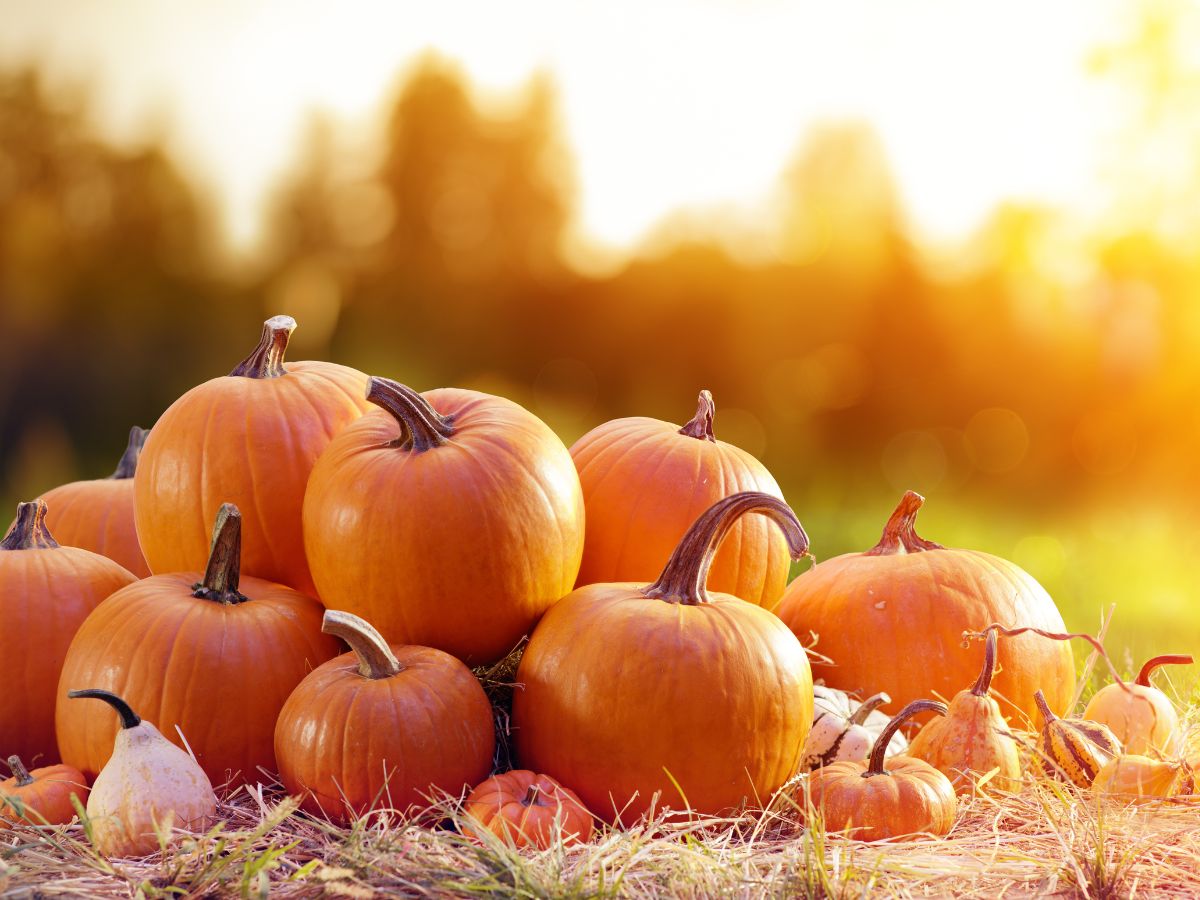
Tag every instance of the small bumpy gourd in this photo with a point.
(148, 787)
(1139, 714)
(845, 729)
(1074, 749)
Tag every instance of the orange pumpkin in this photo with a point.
(892, 619)
(97, 515)
(451, 519)
(40, 797)
(46, 592)
(1139, 714)
(382, 728)
(897, 800)
(645, 481)
(249, 438)
(529, 810)
(212, 654)
(633, 690)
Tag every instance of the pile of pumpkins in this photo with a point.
(277, 512)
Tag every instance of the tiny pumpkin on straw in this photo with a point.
(40, 797)
(1142, 717)
(529, 810)
(1137, 777)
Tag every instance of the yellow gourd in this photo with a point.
(1074, 750)
(1140, 715)
(1139, 777)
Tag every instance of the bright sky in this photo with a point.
(666, 104)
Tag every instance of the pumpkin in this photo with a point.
(212, 654)
(972, 739)
(1074, 750)
(40, 797)
(147, 786)
(664, 694)
(1136, 777)
(1140, 715)
(877, 799)
(249, 438)
(645, 481)
(529, 810)
(845, 729)
(451, 519)
(97, 515)
(46, 592)
(909, 601)
(382, 727)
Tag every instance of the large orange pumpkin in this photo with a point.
(633, 690)
(382, 728)
(97, 514)
(212, 654)
(645, 481)
(892, 619)
(451, 519)
(248, 438)
(46, 592)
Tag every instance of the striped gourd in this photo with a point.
(844, 729)
(1074, 749)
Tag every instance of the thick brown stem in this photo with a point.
(899, 534)
(1048, 715)
(29, 531)
(686, 573)
(879, 748)
(1054, 636)
(868, 706)
(1143, 677)
(129, 719)
(421, 427)
(375, 657)
(984, 682)
(224, 570)
(266, 361)
(127, 467)
(701, 424)
(532, 796)
(24, 779)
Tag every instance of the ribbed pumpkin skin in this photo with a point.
(97, 515)
(461, 547)
(619, 687)
(247, 441)
(220, 672)
(644, 483)
(429, 726)
(45, 595)
(913, 798)
(47, 800)
(502, 805)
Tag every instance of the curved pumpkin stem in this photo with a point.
(24, 779)
(684, 577)
(224, 570)
(127, 467)
(701, 424)
(984, 682)
(29, 531)
(868, 706)
(879, 748)
(1048, 714)
(129, 719)
(900, 534)
(1054, 636)
(375, 657)
(1143, 677)
(422, 427)
(266, 361)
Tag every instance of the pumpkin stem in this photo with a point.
(129, 719)
(984, 683)
(900, 534)
(266, 361)
(1143, 677)
(1054, 636)
(684, 577)
(1048, 715)
(24, 779)
(224, 569)
(879, 748)
(127, 467)
(868, 706)
(532, 796)
(421, 426)
(375, 657)
(29, 531)
(701, 424)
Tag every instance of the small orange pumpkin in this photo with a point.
(529, 810)
(1136, 777)
(40, 797)
(897, 800)
(1140, 715)
(645, 481)
(97, 515)
(249, 438)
